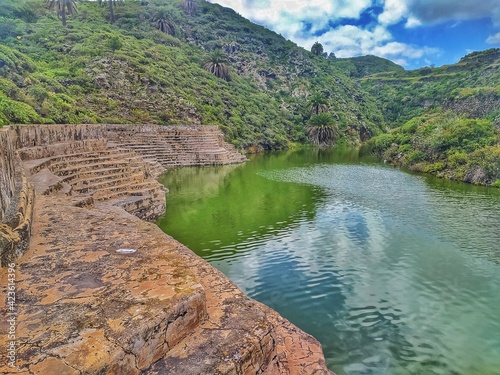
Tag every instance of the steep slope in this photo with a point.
(366, 65)
(450, 118)
(470, 87)
(130, 72)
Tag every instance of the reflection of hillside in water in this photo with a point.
(381, 266)
(394, 273)
(230, 205)
(196, 182)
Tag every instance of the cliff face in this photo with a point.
(99, 290)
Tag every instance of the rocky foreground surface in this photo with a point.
(101, 291)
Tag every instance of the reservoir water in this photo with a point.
(394, 273)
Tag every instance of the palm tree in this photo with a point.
(189, 6)
(165, 26)
(63, 7)
(217, 65)
(317, 49)
(322, 130)
(317, 103)
(111, 3)
(163, 23)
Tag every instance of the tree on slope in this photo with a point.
(317, 103)
(63, 8)
(317, 49)
(322, 130)
(217, 65)
(112, 3)
(163, 23)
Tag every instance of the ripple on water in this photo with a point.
(393, 274)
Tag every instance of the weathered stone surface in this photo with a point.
(154, 307)
(176, 145)
(83, 303)
(16, 200)
(241, 336)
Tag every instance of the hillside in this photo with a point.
(128, 71)
(446, 120)
(363, 66)
(470, 87)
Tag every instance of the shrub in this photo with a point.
(433, 168)
(381, 142)
(414, 157)
(17, 112)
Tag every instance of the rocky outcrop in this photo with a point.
(474, 106)
(101, 291)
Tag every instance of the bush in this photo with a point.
(17, 112)
(433, 168)
(488, 158)
(415, 156)
(381, 142)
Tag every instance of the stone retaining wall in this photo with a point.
(165, 145)
(100, 291)
(16, 200)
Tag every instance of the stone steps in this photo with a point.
(98, 183)
(103, 174)
(202, 145)
(63, 163)
(73, 169)
(144, 188)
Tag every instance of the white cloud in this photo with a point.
(348, 41)
(493, 39)
(433, 11)
(394, 11)
(287, 16)
(305, 22)
(413, 22)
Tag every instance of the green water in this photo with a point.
(394, 273)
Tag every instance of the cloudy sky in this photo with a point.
(412, 33)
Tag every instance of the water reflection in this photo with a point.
(394, 273)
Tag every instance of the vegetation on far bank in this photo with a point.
(193, 62)
(444, 144)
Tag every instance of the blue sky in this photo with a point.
(412, 33)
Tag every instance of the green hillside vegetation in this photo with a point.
(193, 62)
(366, 65)
(151, 65)
(470, 87)
(445, 144)
(446, 119)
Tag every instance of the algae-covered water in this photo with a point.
(394, 273)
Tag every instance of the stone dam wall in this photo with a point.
(16, 200)
(99, 289)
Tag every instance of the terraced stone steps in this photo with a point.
(194, 145)
(86, 184)
(106, 173)
(100, 291)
